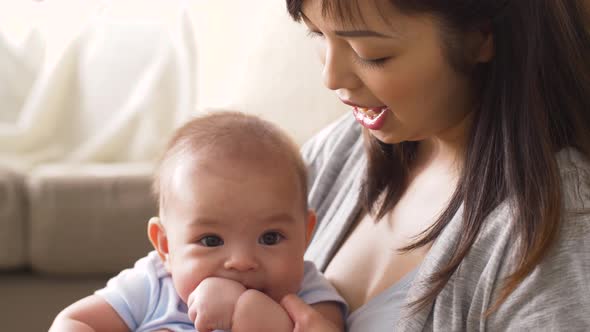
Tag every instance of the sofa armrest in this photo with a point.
(13, 220)
(89, 219)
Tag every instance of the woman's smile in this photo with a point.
(371, 118)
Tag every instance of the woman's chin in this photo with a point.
(385, 137)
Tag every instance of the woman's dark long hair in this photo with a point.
(534, 100)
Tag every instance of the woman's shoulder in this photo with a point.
(554, 288)
(574, 168)
(557, 279)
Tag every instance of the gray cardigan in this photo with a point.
(554, 297)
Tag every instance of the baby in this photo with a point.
(229, 241)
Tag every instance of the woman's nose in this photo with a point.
(338, 72)
(241, 260)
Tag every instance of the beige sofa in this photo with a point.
(63, 231)
(66, 227)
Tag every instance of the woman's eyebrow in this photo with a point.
(360, 33)
(354, 33)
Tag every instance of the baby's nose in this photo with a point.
(241, 260)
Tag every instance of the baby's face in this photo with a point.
(236, 221)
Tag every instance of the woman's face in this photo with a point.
(392, 69)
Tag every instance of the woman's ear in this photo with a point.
(311, 221)
(158, 238)
(481, 44)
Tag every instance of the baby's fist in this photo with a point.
(211, 305)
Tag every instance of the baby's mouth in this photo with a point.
(260, 289)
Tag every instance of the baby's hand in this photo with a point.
(211, 305)
(255, 311)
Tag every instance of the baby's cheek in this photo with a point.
(287, 280)
(186, 281)
(183, 287)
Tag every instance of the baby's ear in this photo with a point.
(157, 236)
(311, 221)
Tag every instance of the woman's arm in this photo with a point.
(92, 314)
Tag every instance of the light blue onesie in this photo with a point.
(145, 298)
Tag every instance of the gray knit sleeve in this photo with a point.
(556, 295)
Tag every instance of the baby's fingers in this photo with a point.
(205, 325)
(192, 312)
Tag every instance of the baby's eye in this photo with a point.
(211, 241)
(270, 238)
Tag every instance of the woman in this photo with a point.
(461, 200)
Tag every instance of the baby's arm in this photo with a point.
(92, 314)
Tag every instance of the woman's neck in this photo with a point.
(445, 150)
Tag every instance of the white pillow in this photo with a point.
(114, 95)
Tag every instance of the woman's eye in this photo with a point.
(374, 63)
(270, 238)
(314, 34)
(211, 241)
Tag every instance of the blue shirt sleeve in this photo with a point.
(131, 291)
(315, 288)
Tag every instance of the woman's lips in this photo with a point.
(371, 118)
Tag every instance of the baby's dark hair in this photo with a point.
(229, 134)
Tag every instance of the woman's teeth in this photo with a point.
(371, 118)
(370, 113)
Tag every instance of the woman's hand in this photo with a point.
(305, 318)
